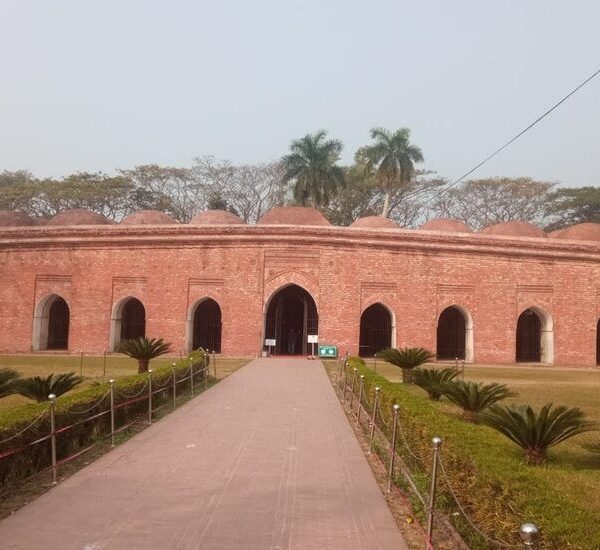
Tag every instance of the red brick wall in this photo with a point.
(416, 274)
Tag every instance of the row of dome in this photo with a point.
(299, 215)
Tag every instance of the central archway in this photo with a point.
(206, 326)
(290, 317)
(51, 324)
(128, 321)
(454, 335)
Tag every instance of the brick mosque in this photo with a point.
(508, 293)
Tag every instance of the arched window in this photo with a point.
(535, 337)
(454, 336)
(58, 325)
(51, 324)
(375, 330)
(206, 326)
(128, 321)
(290, 317)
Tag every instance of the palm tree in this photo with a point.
(311, 166)
(535, 431)
(434, 381)
(392, 156)
(39, 388)
(8, 378)
(144, 349)
(407, 359)
(475, 397)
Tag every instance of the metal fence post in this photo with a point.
(192, 377)
(52, 399)
(437, 444)
(149, 396)
(354, 371)
(529, 535)
(205, 369)
(375, 365)
(375, 405)
(112, 412)
(214, 354)
(344, 379)
(393, 449)
(81, 362)
(104, 365)
(360, 394)
(174, 386)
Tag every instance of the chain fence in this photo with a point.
(406, 466)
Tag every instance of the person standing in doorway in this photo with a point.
(291, 342)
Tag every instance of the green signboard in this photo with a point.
(328, 351)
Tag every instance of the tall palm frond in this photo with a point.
(8, 378)
(39, 388)
(535, 431)
(475, 397)
(392, 157)
(311, 166)
(143, 350)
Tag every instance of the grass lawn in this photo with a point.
(93, 368)
(574, 470)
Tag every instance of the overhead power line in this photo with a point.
(513, 139)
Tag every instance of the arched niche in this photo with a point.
(204, 325)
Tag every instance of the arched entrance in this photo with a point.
(454, 336)
(51, 324)
(128, 322)
(535, 337)
(375, 330)
(206, 327)
(291, 316)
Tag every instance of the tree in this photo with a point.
(311, 168)
(144, 350)
(535, 431)
(570, 206)
(249, 190)
(392, 157)
(434, 381)
(407, 359)
(39, 388)
(179, 191)
(475, 397)
(484, 202)
(8, 378)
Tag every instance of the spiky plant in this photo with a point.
(535, 431)
(144, 350)
(39, 388)
(475, 397)
(434, 381)
(8, 378)
(407, 359)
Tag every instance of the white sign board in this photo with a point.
(313, 338)
(270, 342)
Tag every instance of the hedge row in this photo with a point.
(486, 473)
(72, 408)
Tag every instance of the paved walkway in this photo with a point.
(264, 460)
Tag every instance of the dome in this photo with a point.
(374, 222)
(78, 217)
(581, 232)
(293, 215)
(8, 218)
(449, 225)
(555, 234)
(514, 229)
(148, 217)
(216, 217)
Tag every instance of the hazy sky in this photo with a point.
(106, 84)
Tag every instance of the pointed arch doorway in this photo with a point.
(290, 317)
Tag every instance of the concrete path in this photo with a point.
(266, 459)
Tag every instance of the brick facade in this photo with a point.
(415, 274)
